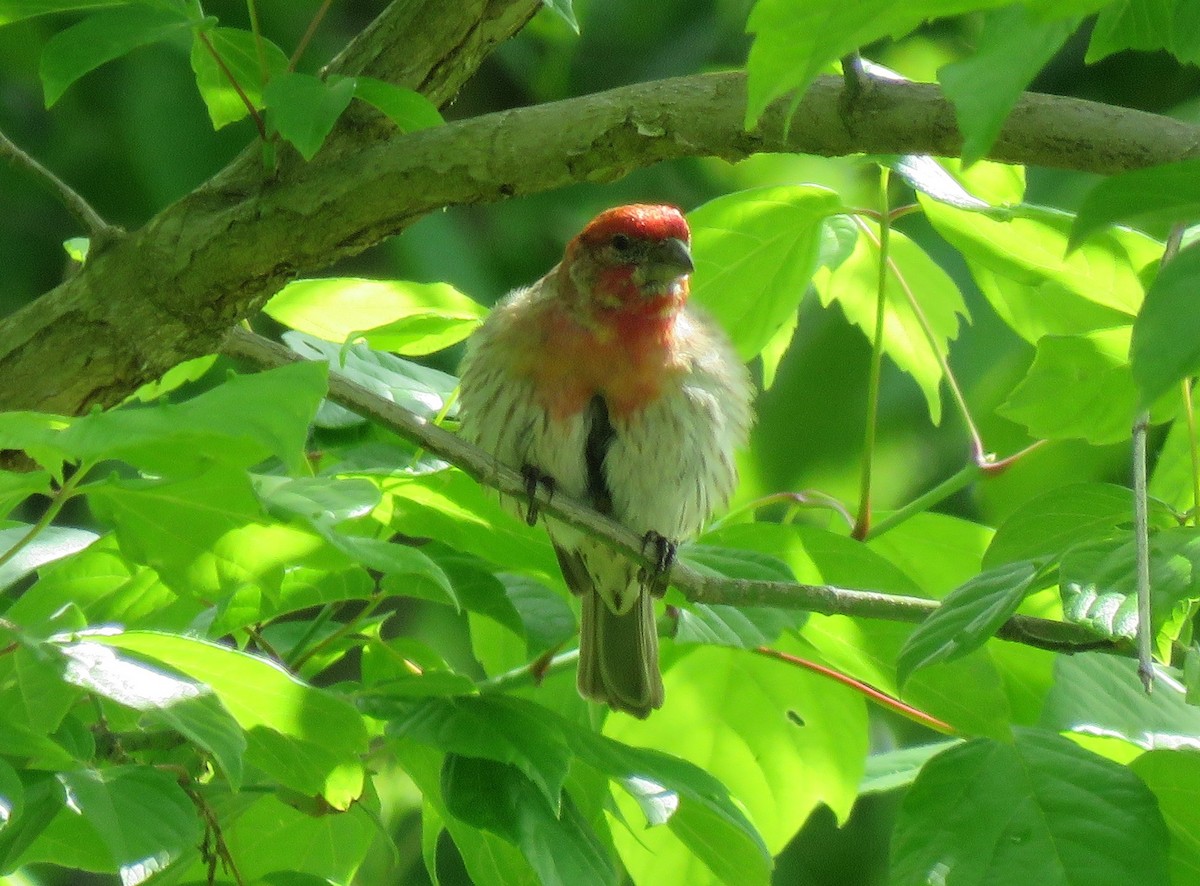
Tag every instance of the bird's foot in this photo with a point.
(662, 552)
(535, 477)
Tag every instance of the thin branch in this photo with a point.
(699, 588)
(1141, 532)
(78, 207)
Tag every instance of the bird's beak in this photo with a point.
(671, 258)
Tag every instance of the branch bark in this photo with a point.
(170, 290)
(825, 599)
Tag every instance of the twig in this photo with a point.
(308, 35)
(824, 599)
(78, 207)
(1141, 532)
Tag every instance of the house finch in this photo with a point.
(600, 380)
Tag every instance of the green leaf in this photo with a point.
(407, 571)
(490, 860)
(38, 796)
(899, 768)
(34, 693)
(498, 798)
(241, 422)
(417, 388)
(565, 11)
(100, 38)
(937, 551)
(925, 174)
(1166, 333)
(319, 500)
(793, 42)
(167, 700)
(990, 812)
(276, 844)
(174, 378)
(1047, 525)
(450, 506)
(389, 315)
(755, 253)
(1171, 480)
(409, 110)
(1013, 46)
(913, 277)
(1021, 266)
(16, 10)
(105, 588)
(1099, 581)
(239, 52)
(48, 545)
(303, 108)
(742, 626)
(1146, 25)
(706, 820)
(495, 728)
(306, 738)
(1157, 197)
(187, 530)
(1175, 780)
(783, 741)
(16, 486)
(133, 820)
(1081, 387)
(967, 618)
(1097, 694)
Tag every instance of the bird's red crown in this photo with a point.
(638, 220)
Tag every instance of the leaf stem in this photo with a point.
(308, 35)
(948, 487)
(862, 522)
(237, 87)
(263, 72)
(60, 498)
(529, 674)
(876, 695)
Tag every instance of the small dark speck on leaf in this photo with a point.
(795, 718)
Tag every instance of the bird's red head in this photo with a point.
(631, 259)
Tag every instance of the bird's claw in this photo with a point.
(535, 477)
(663, 555)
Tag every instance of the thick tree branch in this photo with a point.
(824, 599)
(170, 290)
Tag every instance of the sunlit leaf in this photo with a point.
(238, 50)
(1166, 334)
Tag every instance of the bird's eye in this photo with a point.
(620, 242)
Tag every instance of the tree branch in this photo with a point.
(825, 599)
(170, 290)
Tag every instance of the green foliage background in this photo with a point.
(222, 513)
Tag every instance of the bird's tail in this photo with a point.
(618, 655)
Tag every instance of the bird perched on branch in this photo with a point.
(599, 381)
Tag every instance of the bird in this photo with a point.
(601, 381)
